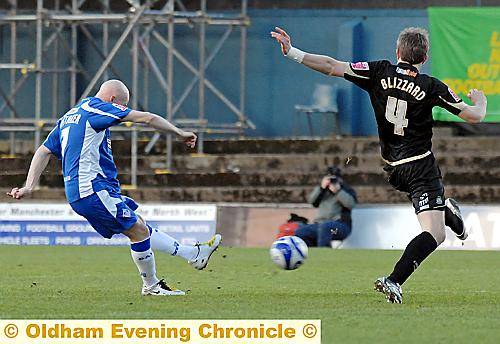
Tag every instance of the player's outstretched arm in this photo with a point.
(477, 112)
(321, 63)
(161, 124)
(38, 164)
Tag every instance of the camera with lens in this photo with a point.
(334, 173)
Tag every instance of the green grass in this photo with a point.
(453, 297)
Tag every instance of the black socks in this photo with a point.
(417, 250)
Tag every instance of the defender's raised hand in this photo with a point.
(283, 39)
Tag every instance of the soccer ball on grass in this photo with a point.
(289, 252)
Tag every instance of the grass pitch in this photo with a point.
(453, 297)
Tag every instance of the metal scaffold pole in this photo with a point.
(201, 68)
(105, 37)
(13, 54)
(74, 43)
(170, 79)
(135, 102)
(38, 63)
(243, 54)
(55, 76)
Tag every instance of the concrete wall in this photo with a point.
(274, 85)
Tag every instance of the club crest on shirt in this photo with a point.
(360, 66)
(454, 95)
(121, 107)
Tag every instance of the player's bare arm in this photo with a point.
(321, 63)
(161, 124)
(474, 113)
(38, 163)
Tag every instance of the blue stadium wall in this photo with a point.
(274, 85)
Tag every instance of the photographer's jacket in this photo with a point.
(333, 206)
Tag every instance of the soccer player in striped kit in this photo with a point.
(81, 140)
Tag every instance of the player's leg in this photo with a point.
(144, 259)
(108, 214)
(433, 234)
(308, 233)
(161, 241)
(142, 255)
(453, 219)
(197, 255)
(419, 248)
(423, 180)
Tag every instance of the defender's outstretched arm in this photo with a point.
(38, 163)
(477, 112)
(321, 63)
(161, 124)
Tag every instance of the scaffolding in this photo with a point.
(139, 27)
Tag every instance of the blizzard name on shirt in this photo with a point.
(403, 85)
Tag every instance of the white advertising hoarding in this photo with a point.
(393, 226)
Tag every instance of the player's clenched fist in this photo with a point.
(476, 96)
(283, 39)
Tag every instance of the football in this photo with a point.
(289, 252)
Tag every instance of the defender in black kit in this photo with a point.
(402, 99)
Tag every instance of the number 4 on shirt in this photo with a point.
(395, 113)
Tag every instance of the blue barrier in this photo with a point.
(57, 224)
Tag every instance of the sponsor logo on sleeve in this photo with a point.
(360, 66)
(454, 95)
(121, 107)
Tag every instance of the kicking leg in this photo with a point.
(433, 234)
(144, 259)
(163, 242)
(197, 255)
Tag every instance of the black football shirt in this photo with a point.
(402, 99)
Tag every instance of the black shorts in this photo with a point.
(422, 180)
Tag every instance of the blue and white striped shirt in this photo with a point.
(81, 139)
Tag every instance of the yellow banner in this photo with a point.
(161, 331)
(465, 49)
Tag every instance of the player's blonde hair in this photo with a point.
(413, 45)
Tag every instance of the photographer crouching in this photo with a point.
(334, 200)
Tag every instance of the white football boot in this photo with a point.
(205, 251)
(161, 289)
